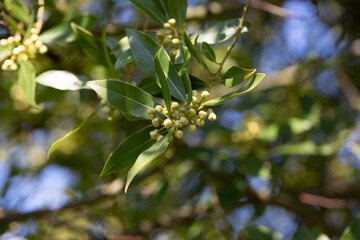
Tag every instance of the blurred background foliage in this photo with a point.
(279, 163)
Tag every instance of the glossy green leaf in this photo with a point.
(236, 75)
(187, 84)
(62, 80)
(121, 47)
(124, 59)
(125, 155)
(144, 49)
(176, 9)
(75, 129)
(162, 76)
(152, 9)
(132, 101)
(18, 10)
(146, 158)
(190, 46)
(26, 80)
(13, 24)
(109, 64)
(148, 85)
(197, 83)
(63, 31)
(352, 232)
(251, 84)
(208, 51)
(90, 44)
(221, 31)
(5, 51)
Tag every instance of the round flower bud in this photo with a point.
(176, 115)
(13, 67)
(200, 122)
(172, 22)
(33, 30)
(173, 52)
(15, 51)
(175, 105)
(38, 43)
(205, 94)
(192, 128)
(110, 118)
(21, 48)
(10, 40)
(106, 110)
(158, 108)
(151, 111)
(17, 38)
(167, 25)
(194, 99)
(167, 40)
(179, 134)
(168, 123)
(195, 93)
(171, 130)
(34, 37)
(181, 109)
(209, 111)
(212, 116)
(176, 41)
(27, 42)
(3, 42)
(159, 137)
(116, 113)
(165, 111)
(160, 34)
(192, 112)
(43, 49)
(202, 114)
(184, 120)
(154, 134)
(156, 122)
(23, 57)
(177, 124)
(103, 102)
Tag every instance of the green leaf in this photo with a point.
(63, 31)
(109, 64)
(132, 101)
(251, 84)
(197, 83)
(146, 158)
(208, 51)
(90, 44)
(26, 80)
(75, 129)
(176, 9)
(18, 10)
(236, 75)
(190, 46)
(121, 47)
(187, 83)
(162, 78)
(124, 59)
(352, 232)
(148, 85)
(62, 80)
(5, 51)
(221, 31)
(13, 24)
(125, 155)
(144, 49)
(152, 9)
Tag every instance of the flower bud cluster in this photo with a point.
(179, 117)
(110, 110)
(169, 35)
(24, 50)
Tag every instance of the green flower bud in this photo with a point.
(184, 120)
(192, 112)
(179, 134)
(172, 22)
(212, 116)
(168, 123)
(205, 94)
(156, 122)
(158, 108)
(192, 128)
(167, 25)
(202, 114)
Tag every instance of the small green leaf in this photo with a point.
(109, 64)
(125, 155)
(221, 31)
(148, 85)
(63, 31)
(187, 83)
(124, 59)
(75, 129)
(144, 49)
(121, 47)
(26, 80)
(251, 84)
(62, 80)
(152, 9)
(90, 44)
(132, 101)
(208, 51)
(176, 9)
(18, 10)
(352, 232)
(190, 46)
(146, 158)
(162, 79)
(13, 24)
(236, 75)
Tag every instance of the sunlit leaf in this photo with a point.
(146, 158)
(125, 155)
(236, 75)
(124, 59)
(5, 51)
(26, 80)
(132, 101)
(148, 85)
(208, 51)
(152, 9)
(62, 80)
(75, 129)
(18, 10)
(63, 30)
(251, 84)
(162, 76)
(221, 31)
